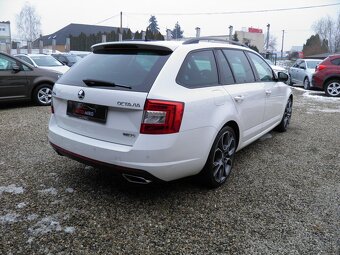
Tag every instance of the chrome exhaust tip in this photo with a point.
(136, 179)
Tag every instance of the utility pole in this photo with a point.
(121, 27)
(283, 36)
(267, 43)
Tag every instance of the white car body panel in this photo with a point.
(255, 107)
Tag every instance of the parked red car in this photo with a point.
(327, 76)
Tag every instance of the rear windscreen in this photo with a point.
(133, 68)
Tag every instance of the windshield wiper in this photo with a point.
(96, 83)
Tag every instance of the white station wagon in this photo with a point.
(167, 110)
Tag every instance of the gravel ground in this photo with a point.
(282, 197)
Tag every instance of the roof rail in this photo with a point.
(212, 38)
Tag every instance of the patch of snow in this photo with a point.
(49, 191)
(89, 168)
(44, 226)
(69, 190)
(57, 202)
(69, 230)
(11, 189)
(21, 205)
(32, 217)
(9, 218)
(320, 96)
(325, 110)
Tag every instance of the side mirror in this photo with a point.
(15, 68)
(282, 76)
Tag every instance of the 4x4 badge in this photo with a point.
(81, 94)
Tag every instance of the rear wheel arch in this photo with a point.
(325, 82)
(236, 129)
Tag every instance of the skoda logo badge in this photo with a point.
(81, 94)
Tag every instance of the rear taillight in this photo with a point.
(320, 67)
(162, 117)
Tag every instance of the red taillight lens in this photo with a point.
(162, 117)
(320, 67)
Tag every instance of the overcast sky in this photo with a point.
(212, 16)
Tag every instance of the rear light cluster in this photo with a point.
(162, 117)
(320, 67)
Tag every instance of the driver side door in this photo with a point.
(13, 83)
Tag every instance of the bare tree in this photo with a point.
(28, 23)
(272, 42)
(329, 30)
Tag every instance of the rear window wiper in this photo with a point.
(97, 83)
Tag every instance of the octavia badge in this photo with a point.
(81, 94)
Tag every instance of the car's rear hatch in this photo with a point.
(103, 96)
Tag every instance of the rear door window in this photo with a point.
(198, 70)
(240, 66)
(134, 68)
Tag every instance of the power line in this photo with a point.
(237, 12)
(108, 19)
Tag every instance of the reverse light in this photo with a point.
(161, 117)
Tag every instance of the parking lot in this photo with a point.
(282, 197)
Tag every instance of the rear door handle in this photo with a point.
(268, 92)
(239, 98)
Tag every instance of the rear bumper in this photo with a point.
(103, 165)
(165, 157)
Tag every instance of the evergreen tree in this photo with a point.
(153, 25)
(253, 47)
(138, 35)
(235, 38)
(314, 45)
(177, 33)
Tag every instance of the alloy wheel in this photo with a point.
(333, 89)
(223, 156)
(45, 95)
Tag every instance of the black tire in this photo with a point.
(287, 114)
(221, 158)
(332, 88)
(306, 84)
(42, 94)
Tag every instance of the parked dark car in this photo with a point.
(327, 76)
(67, 59)
(22, 81)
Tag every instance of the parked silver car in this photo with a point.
(302, 71)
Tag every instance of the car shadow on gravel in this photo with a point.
(13, 105)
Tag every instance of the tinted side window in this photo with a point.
(302, 65)
(240, 66)
(26, 59)
(198, 70)
(225, 72)
(336, 61)
(6, 63)
(264, 71)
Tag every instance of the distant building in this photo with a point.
(252, 36)
(5, 35)
(72, 30)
